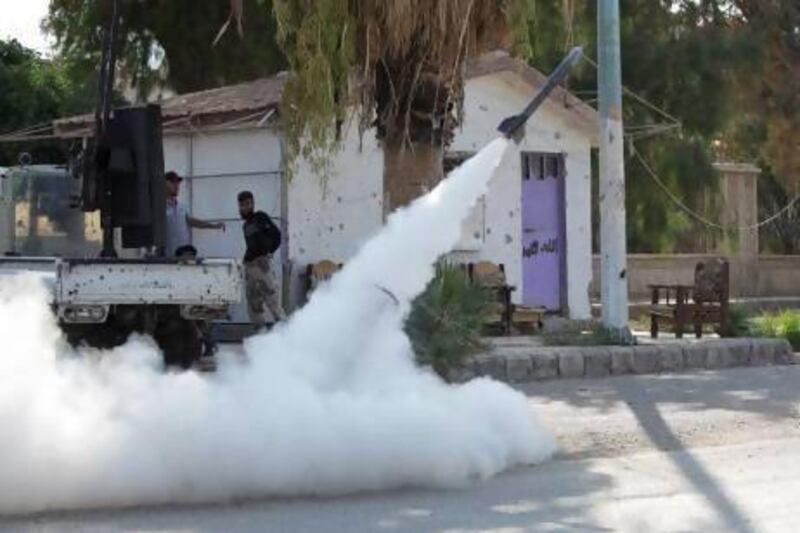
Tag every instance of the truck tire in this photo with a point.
(179, 340)
(103, 336)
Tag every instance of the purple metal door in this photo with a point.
(543, 242)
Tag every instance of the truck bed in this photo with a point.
(134, 281)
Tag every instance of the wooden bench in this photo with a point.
(318, 273)
(492, 277)
(704, 302)
(502, 312)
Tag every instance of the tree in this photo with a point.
(399, 65)
(766, 99)
(782, 235)
(679, 56)
(168, 43)
(35, 91)
(771, 118)
(408, 58)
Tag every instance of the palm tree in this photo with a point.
(398, 64)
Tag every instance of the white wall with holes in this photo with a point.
(330, 219)
(332, 214)
(488, 100)
(216, 166)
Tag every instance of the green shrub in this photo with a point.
(446, 320)
(783, 324)
(739, 323)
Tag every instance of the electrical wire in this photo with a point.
(638, 98)
(639, 132)
(677, 201)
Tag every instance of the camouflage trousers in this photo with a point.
(261, 289)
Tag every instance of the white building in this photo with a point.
(535, 220)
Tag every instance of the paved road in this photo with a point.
(710, 451)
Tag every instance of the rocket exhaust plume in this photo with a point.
(330, 402)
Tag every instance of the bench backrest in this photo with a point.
(322, 271)
(712, 281)
(488, 274)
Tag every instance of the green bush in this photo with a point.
(783, 324)
(739, 323)
(446, 320)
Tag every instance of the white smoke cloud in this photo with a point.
(330, 402)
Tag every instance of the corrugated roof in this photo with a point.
(252, 96)
(262, 94)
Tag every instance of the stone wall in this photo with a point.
(774, 276)
(751, 275)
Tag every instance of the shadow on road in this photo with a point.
(774, 394)
(764, 394)
(659, 432)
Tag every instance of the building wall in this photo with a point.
(331, 216)
(488, 100)
(331, 219)
(216, 166)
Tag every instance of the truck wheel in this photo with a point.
(179, 339)
(104, 336)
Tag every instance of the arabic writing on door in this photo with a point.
(543, 242)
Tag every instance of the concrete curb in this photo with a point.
(520, 363)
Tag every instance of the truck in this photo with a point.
(99, 297)
(100, 301)
(93, 230)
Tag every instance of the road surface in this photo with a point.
(707, 451)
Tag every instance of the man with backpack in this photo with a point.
(262, 238)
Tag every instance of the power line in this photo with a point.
(638, 98)
(639, 132)
(654, 176)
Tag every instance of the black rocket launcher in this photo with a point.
(512, 127)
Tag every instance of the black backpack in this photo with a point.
(273, 235)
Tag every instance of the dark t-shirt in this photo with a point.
(261, 235)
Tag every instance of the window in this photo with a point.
(540, 166)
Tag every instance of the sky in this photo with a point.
(21, 20)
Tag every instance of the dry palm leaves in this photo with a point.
(412, 54)
(237, 12)
(398, 63)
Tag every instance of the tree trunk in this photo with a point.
(408, 173)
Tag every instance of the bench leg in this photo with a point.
(653, 326)
(679, 329)
(698, 329)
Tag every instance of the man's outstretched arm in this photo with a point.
(204, 224)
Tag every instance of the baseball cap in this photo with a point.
(173, 176)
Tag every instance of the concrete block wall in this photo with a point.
(527, 363)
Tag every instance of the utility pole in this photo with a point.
(614, 274)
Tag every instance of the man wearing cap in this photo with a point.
(178, 219)
(262, 238)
